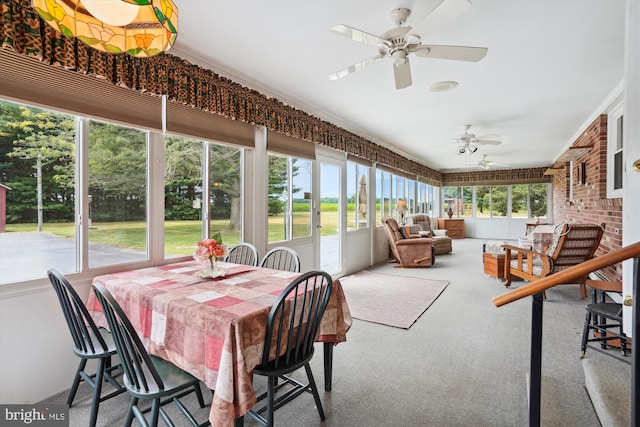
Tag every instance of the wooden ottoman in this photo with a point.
(493, 264)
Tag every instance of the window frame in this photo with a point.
(613, 133)
(154, 193)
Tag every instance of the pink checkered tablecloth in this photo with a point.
(212, 328)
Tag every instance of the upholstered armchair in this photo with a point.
(408, 251)
(570, 244)
(421, 224)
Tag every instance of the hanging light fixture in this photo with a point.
(137, 27)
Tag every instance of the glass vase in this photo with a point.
(212, 270)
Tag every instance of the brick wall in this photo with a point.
(590, 203)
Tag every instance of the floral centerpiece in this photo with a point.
(209, 250)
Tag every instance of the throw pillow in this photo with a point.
(424, 226)
(403, 232)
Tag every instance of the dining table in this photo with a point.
(214, 327)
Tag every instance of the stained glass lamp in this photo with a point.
(137, 27)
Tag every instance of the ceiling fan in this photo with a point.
(469, 142)
(399, 42)
(486, 164)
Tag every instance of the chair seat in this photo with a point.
(173, 378)
(89, 354)
(610, 310)
(536, 270)
(605, 320)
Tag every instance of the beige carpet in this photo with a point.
(388, 299)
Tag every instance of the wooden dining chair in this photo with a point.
(89, 342)
(292, 328)
(146, 377)
(243, 253)
(281, 258)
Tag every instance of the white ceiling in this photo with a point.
(550, 66)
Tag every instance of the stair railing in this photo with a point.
(536, 288)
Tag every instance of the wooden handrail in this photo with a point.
(571, 273)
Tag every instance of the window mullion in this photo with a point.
(206, 190)
(155, 196)
(82, 193)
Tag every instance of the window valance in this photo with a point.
(497, 177)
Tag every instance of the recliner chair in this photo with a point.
(441, 240)
(409, 252)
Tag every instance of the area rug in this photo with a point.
(389, 299)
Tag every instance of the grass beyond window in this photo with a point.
(178, 234)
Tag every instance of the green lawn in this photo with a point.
(180, 236)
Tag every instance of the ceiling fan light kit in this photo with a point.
(444, 86)
(400, 41)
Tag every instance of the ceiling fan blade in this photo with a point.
(444, 13)
(456, 53)
(355, 67)
(486, 142)
(358, 35)
(489, 136)
(402, 74)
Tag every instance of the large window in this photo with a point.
(383, 195)
(400, 206)
(183, 198)
(491, 201)
(426, 199)
(520, 201)
(538, 201)
(529, 201)
(37, 165)
(81, 193)
(289, 204)
(357, 196)
(186, 197)
(225, 192)
(118, 190)
(459, 200)
(499, 201)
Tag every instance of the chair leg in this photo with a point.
(585, 334)
(155, 412)
(130, 414)
(623, 341)
(97, 389)
(603, 333)
(271, 394)
(76, 382)
(198, 391)
(583, 288)
(314, 391)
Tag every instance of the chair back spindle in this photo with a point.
(87, 339)
(243, 253)
(281, 258)
(293, 322)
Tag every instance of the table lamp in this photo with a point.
(401, 208)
